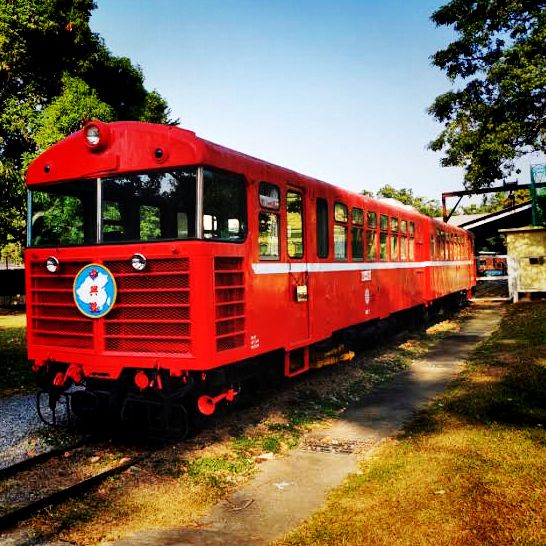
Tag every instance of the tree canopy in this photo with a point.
(430, 207)
(499, 61)
(55, 74)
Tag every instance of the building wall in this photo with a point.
(526, 260)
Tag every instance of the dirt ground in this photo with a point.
(289, 489)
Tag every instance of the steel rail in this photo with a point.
(24, 512)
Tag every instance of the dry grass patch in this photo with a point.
(469, 470)
(16, 376)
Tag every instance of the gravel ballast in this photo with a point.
(22, 433)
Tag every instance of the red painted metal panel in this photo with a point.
(201, 304)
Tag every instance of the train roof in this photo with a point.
(132, 146)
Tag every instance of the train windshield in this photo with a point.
(150, 206)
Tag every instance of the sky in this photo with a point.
(334, 89)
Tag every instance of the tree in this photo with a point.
(430, 207)
(55, 74)
(500, 113)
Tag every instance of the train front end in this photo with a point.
(128, 237)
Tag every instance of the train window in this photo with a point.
(270, 196)
(412, 241)
(340, 242)
(294, 224)
(403, 226)
(394, 238)
(371, 245)
(372, 219)
(394, 224)
(403, 247)
(383, 246)
(224, 206)
(64, 214)
(358, 217)
(341, 213)
(383, 237)
(322, 228)
(269, 235)
(150, 223)
(182, 231)
(394, 246)
(357, 248)
(432, 247)
(149, 206)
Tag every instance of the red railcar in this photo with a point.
(161, 267)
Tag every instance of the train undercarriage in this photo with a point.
(153, 403)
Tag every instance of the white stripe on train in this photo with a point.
(324, 267)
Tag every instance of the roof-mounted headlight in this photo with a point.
(96, 135)
(92, 135)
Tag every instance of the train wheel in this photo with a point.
(53, 408)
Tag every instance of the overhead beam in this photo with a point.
(461, 194)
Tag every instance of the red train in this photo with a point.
(163, 269)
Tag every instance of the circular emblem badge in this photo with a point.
(95, 290)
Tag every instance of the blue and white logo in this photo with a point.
(95, 290)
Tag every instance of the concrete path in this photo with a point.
(290, 489)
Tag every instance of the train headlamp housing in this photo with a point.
(92, 135)
(96, 135)
(138, 261)
(52, 264)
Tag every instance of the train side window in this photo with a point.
(394, 239)
(224, 206)
(269, 196)
(403, 240)
(371, 236)
(412, 241)
(294, 224)
(357, 249)
(322, 228)
(371, 245)
(383, 237)
(341, 216)
(269, 235)
(341, 213)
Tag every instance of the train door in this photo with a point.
(296, 251)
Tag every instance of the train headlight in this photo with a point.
(96, 135)
(92, 135)
(52, 264)
(138, 261)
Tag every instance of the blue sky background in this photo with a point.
(335, 89)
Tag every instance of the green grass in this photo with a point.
(16, 375)
(469, 469)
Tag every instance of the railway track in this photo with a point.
(54, 477)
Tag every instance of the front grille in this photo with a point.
(151, 314)
(152, 311)
(229, 292)
(55, 318)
